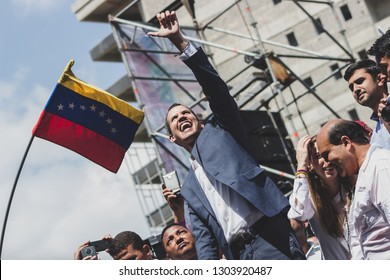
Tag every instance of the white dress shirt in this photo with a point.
(370, 210)
(232, 211)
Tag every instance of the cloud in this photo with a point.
(61, 206)
(25, 7)
(9, 87)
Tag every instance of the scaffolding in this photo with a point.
(261, 83)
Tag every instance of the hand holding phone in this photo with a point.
(171, 181)
(95, 246)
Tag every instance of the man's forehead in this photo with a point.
(127, 253)
(172, 230)
(322, 140)
(358, 73)
(177, 109)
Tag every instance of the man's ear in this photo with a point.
(345, 141)
(171, 138)
(146, 248)
(381, 79)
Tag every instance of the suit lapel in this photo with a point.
(194, 194)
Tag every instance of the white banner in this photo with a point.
(210, 270)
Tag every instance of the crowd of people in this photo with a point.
(229, 208)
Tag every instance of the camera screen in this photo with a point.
(88, 251)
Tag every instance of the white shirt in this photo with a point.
(380, 136)
(188, 51)
(370, 210)
(232, 211)
(302, 208)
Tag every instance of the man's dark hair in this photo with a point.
(354, 131)
(367, 64)
(381, 47)
(123, 239)
(166, 116)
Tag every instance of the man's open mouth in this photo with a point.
(185, 125)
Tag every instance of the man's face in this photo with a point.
(129, 253)
(338, 155)
(184, 125)
(179, 243)
(384, 64)
(364, 88)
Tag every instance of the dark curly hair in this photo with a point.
(381, 47)
(123, 239)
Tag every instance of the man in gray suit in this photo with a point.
(233, 206)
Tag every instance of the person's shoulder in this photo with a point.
(378, 151)
(379, 157)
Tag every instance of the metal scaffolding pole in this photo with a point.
(189, 38)
(276, 85)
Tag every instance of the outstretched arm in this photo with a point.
(169, 28)
(215, 89)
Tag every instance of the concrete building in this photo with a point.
(312, 40)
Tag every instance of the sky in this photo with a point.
(61, 199)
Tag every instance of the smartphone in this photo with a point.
(171, 181)
(100, 245)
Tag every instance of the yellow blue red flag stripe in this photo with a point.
(89, 121)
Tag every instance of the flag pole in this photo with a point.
(12, 194)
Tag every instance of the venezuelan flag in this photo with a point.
(88, 121)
